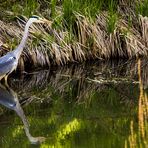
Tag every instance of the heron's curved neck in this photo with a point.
(20, 47)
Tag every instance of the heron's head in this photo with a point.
(38, 19)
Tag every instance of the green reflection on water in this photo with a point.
(76, 112)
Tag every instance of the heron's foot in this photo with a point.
(35, 140)
(3, 86)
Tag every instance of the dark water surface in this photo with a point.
(99, 105)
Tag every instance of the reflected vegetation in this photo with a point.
(140, 138)
(9, 99)
(90, 105)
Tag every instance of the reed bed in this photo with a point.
(81, 30)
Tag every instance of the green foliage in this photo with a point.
(31, 7)
(112, 18)
(88, 8)
(142, 7)
(53, 8)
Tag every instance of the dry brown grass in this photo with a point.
(47, 45)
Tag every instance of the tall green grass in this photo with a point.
(17, 8)
(53, 8)
(63, 13)
(142, 8)
(87, 8)
(31, 7)
(112, 19)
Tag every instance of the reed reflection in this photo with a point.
(9, 99)
(140, 138)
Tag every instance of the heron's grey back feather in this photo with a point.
(6, 63)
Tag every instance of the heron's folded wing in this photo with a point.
(6, 64)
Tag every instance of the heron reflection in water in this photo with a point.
(9, 99)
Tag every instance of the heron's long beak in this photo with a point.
(44, 21)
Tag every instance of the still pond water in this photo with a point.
(99, 105)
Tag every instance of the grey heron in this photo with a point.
(9, 62)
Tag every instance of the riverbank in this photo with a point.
(80, 31)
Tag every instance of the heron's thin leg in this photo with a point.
(6, 83)
(5, 78)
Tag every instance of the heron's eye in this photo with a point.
(34, 16)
